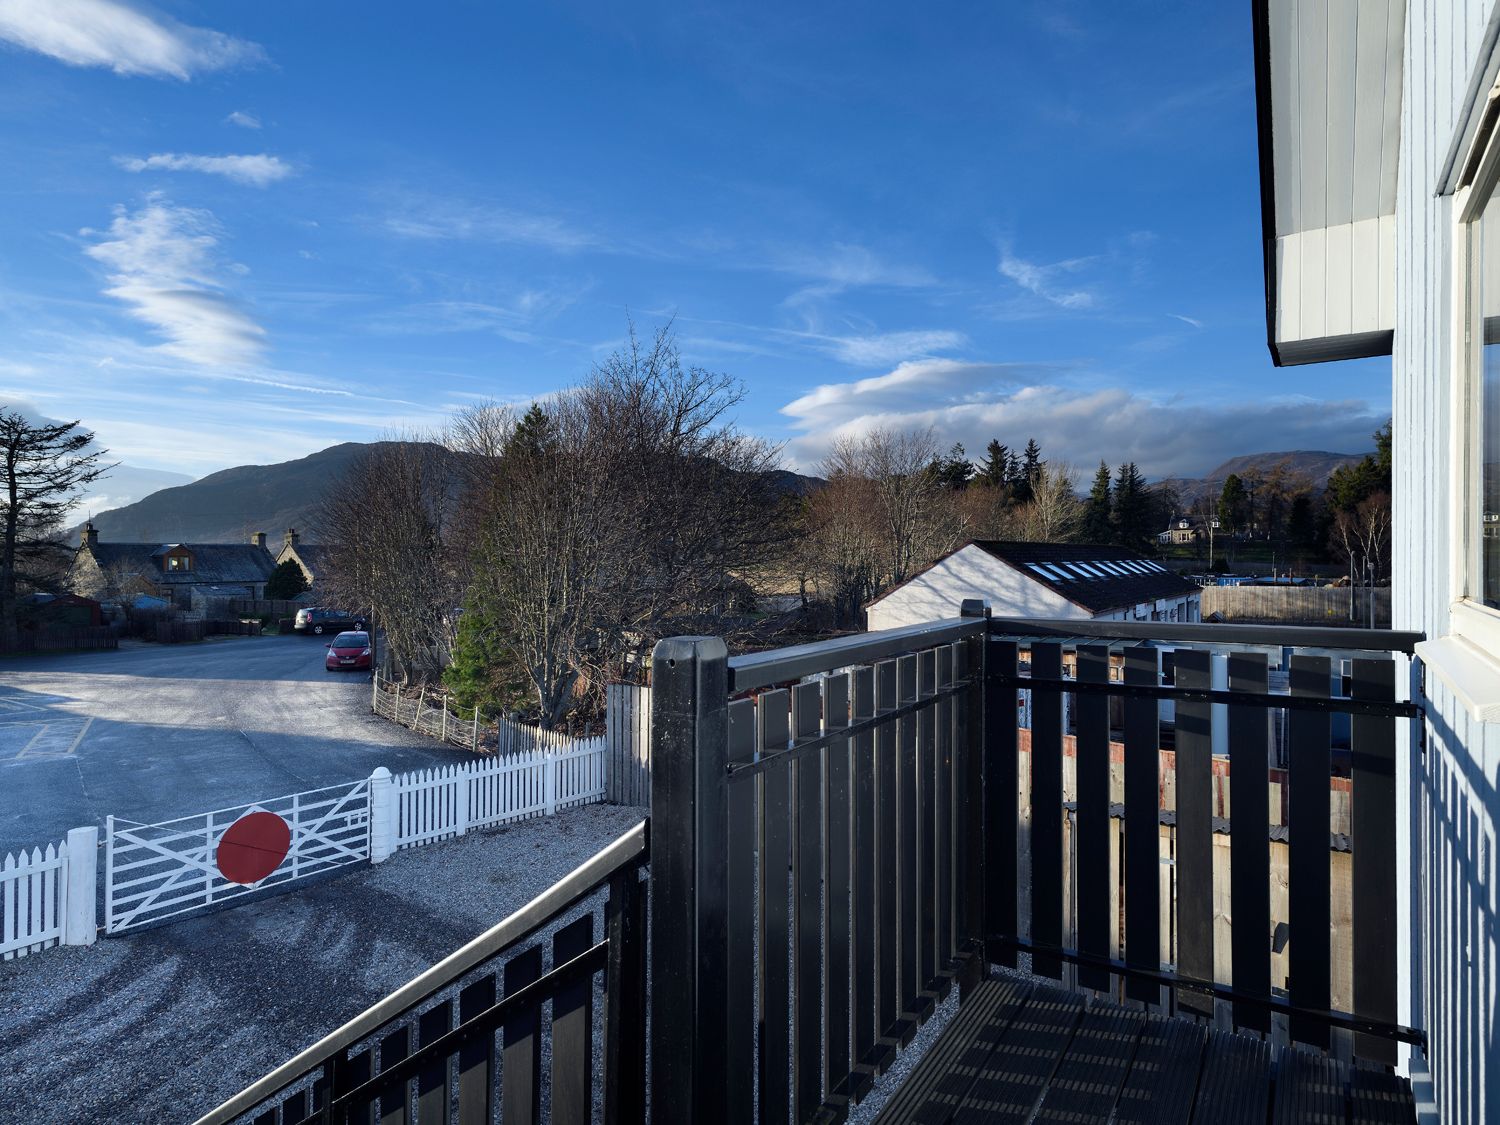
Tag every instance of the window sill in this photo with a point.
(1471, 673)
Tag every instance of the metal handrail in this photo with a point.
(781, 665)
(583, 880)
(1209, 633)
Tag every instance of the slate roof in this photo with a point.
(230, 564)
(1098, 577)
(314, 556)
(1095, 576)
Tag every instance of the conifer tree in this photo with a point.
(995, 471)
(1097, 524)
(1134, 527)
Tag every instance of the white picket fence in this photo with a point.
(436, 804)
(48, 896)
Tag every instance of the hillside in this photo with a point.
(230, 506)
(1315, 465)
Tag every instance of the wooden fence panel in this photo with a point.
(628, 737)
(1299, 605)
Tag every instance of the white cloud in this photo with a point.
(114, 35)
(258, 170)
(162, 263)
(1196, 323)
(243, 120)
(975, 402)
(1045, 281)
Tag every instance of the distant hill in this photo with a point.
(230, 506)
(1315, 465)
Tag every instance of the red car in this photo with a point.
(349, 652)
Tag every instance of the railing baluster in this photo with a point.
(866, 981)
(573, 1029)
(358, 1069)
(395, 1103)
(740, 1030)
(1249, 846)
(927, 821)
(521, 1055)
(807, 896)
(1093, 824)
(625, 1000)
(906, 787)
(775, 922)
(1142, 827)
(968, 807)
(836, 918)
(432, 1079)
(888, 882)
(1001, 793)
(1046, 808)
(942, 825)
(476, 1059)
(1308, 879)
(1373, 843)
(1195, 842)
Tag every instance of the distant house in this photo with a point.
(1184, 531)
(1062, 580)
(311, 558)
(170, 571)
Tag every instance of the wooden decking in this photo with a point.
(1022, 1052)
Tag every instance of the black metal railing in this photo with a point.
(816, 811)
(468, 1037)
(1121, 923)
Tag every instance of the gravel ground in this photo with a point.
(163, 1025)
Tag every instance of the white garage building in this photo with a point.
(1042, 580)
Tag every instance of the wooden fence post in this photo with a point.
(474, 744)
(461, 798)
(689, 877)
(416, 723)
(81, 876)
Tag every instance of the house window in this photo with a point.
(179, 562)
(1484, 398)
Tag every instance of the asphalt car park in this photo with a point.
(151, 732)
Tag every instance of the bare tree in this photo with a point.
(42, 467)
(1364, 533)
(843, 545)
(388, 520)
(1055, 511)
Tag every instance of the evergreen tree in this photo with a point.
(533, 433)
(1031, 460)
(1133, 515)
(1097, 526)
(1302, 526)
(1234, 504)
(995, 471)
(1024, 473)
(286, 581)
(955, 470)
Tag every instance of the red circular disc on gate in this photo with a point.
(253, 847)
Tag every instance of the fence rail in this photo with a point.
(65, 639)
(427, 717)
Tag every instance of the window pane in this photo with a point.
(1489, 404)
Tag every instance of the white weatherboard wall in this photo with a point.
(971, 572)
(1451, 787)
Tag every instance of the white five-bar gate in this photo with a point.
(158, 871)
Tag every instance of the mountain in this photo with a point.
(1313, 464)
(231, 505)
(125, 485)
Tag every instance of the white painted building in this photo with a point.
(1080, 581)
(1380, 156)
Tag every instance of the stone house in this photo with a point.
(172, 571)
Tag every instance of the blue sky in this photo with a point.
(234, 232)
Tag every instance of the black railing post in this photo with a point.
(968, 765)
(689, 868)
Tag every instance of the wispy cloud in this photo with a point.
(1194, 321)
(889, 347)
(121, 38)
(975, 402)
(450, 220)
(162, 263)
(243, 120)
(1047, 281)
(258, 170)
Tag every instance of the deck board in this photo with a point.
(1022, 1051)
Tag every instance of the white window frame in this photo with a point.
(1469, 617)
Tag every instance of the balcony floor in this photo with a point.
(1022, 1052)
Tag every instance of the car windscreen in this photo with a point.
(351, 640)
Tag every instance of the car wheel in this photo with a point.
(318, 630)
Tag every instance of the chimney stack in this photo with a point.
(90, 537)
(259, 539)
(290, 538)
